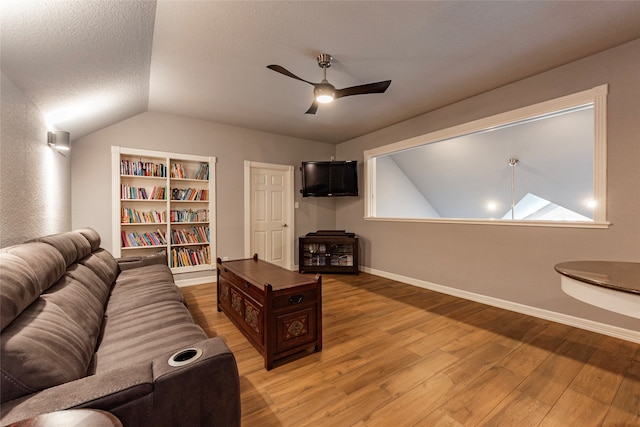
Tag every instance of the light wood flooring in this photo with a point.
(396, 355)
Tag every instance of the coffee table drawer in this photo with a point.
(295, 297)
(247, 287)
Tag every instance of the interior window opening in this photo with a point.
(543, 164)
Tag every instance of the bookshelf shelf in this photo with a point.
(163, 203)
(187, 180)
(125, 224)
(144, 200)
(189, 222)
(157, 178)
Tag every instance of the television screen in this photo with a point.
(329, 179)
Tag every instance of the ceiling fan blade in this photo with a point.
(313, 108)
(378, 87)
(282, 70)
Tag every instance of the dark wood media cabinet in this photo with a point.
(328, 251)
(279, 311)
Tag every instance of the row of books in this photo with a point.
(200, 215)
(197, 235)
(151, 238)
(137, 193)
(132, 216)
(189, 194)
(203, 171)
(177, 171)
(185, 257)
(140, 168)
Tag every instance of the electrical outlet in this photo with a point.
(225, 258)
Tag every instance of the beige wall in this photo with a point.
(509, 262)
(35, 196)
(91, 170)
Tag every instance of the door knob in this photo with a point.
(284, 225)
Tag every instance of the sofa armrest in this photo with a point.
(205, 391)
(105, 391)
(135, 262)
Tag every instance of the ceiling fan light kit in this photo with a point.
(324, 92)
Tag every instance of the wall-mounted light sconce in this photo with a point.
(59, 140)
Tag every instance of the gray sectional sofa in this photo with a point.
(81, 329)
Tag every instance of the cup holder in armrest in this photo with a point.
(185, 356)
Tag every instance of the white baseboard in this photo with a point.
(196, 281)
(589, 325)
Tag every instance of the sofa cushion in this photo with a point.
(131, 278)
(145, 294)
(19, 287)
(73, 246)
(103, 264)
(92, 236)
(142, 333)
(25, 272)
(42, 348)
(142, 286)
(82, 295)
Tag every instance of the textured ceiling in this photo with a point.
(91, 64)
(84, 64)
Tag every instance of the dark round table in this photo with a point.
(612, 285)
(71, 418)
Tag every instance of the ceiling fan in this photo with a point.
(324, 92)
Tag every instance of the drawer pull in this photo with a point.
(247, 285)
(295, 299)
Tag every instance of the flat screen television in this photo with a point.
(330, 179)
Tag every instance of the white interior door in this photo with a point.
(269, 212)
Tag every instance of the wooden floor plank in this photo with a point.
(575, 409)
(476, 400)
(625, 408)
(412, 407)
(517, 409)
(398, 355)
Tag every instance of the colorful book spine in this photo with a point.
(185, 257)
(135, 239)
(177, 170)
(132, 216)
(140, 193)
(140, 168)
(183, 237)
(203, 172)
(189, 215)
(189, 194)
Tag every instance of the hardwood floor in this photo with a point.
(397, 355)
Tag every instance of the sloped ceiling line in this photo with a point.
(108, 60)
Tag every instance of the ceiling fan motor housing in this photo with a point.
(324, 60)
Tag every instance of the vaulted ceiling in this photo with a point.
(90, 64)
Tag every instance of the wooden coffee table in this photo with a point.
(279, 311)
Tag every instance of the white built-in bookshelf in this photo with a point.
(163, 203)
